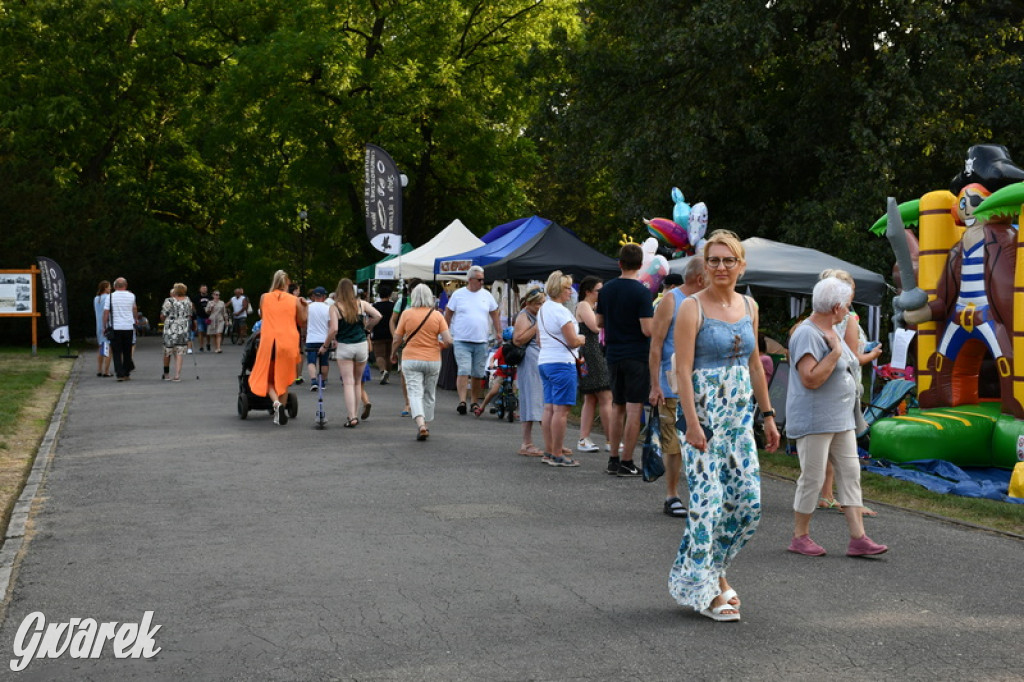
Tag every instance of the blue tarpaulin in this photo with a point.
(941, 476)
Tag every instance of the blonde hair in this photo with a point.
(179, 289)
(728, 239)
(557, 284)
(841, 275)
(280, 281)
(345, 299)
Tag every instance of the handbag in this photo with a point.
(582, 369)
(108, 331)
(512, 353)
(409, 336)
(652, 462)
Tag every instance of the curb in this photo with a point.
(15, 539)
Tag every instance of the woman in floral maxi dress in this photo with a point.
(719, 373)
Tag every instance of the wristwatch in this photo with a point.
(769, 413)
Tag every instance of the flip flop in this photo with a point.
(530, 451)
(366, 411)
(868, 511)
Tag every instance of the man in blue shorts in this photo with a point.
(625, 310)
(317, 320)
(467, 316)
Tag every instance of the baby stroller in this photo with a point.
(247, 400)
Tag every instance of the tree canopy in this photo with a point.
(178, 140)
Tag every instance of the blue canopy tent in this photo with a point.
(502, 230)
(455, 267)
(553, 248)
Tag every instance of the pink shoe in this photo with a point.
(806, 546)
(865, 546)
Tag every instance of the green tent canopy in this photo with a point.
(365, 274)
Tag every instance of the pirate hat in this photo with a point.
(988, 165)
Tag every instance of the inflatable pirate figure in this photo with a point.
(974, 295)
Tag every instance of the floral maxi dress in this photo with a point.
(724, 480)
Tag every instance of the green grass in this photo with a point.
(1002, 516)
(32, 386)
(20, 375)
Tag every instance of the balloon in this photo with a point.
(654, 267)
(669, 232)
(698, 225)
(681, 212)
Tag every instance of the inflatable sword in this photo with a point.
(912, 297)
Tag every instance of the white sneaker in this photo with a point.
(188, 352)
(586, 445)
(607, 447)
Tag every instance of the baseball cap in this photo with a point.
(319, 291)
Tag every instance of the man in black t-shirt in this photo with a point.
(202, 319)
(625, 311)
(380, 336)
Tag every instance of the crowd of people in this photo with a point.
(694, 355)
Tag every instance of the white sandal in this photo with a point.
(729, 595)
(716, 614)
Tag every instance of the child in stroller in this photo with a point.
(247, 400)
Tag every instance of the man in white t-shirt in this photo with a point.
(123, 313)
(467, 316)
(240, 313)
(319, 316)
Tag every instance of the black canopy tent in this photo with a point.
(553, 248)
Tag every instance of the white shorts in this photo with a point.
(357, 352)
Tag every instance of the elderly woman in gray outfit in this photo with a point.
(821, 410)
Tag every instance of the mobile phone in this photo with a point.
(870, 346)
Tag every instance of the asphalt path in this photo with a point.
(289, 553)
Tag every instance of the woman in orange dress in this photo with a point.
(274, 371)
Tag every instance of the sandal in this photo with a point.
(675, 507)
(366, 411)
(566, 452)
(530, 451)
(424, 432)
(715, 613)
(731, 598)
(351, 423)
(868, 511)
(561, 461)
(825, 503)
(461, 409)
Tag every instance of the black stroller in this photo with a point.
(247, 400)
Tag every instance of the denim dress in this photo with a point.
(725, 480)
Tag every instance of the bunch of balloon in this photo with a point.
(654, 267)
(684, 234)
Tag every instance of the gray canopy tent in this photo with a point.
(775, 268)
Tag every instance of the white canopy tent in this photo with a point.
(456, 238)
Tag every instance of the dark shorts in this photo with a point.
(631, 381)
(311, 354)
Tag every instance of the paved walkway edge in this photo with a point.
(15, 539)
